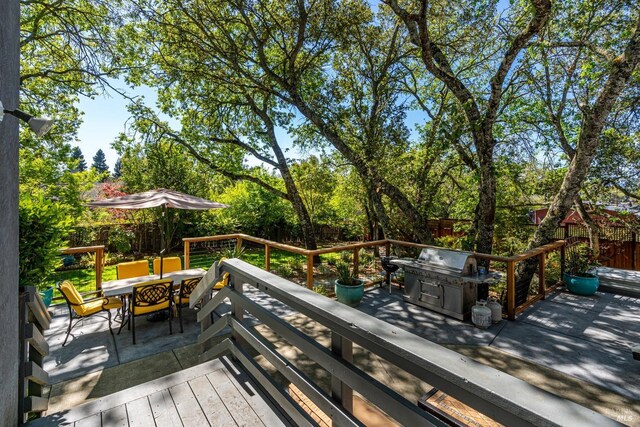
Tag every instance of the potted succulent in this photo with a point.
(349, 289)
(578, 276)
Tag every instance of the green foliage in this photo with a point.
(345, 275)
(580, 259)
(44, 225)
(100, 164)
(121, 238)
(77, 156)
(253, 210)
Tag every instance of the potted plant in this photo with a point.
(578, 276)
(349, 289)
(46, 292)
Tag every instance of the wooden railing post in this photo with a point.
(238, 244)
(99, 267)
(634, 262)
(563, 259)
(310, 271)
(387, 248)
(542, 258)
(187, 252)
(341, 392)
(267, 257)
(356, 262)
(511, 290)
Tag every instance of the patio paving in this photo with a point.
(578, 346)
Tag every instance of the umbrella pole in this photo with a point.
(162, 224)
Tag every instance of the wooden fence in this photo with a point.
(34, 320)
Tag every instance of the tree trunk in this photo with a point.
(592, 227)
(485, 213)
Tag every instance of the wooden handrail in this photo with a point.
(510, 261)
(506, 399)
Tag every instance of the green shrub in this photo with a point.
(43, 226)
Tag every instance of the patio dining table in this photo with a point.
(123, 287)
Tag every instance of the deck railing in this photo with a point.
(504, 398)
(34, 320)
(510, 262)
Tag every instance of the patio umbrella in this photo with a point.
(158, 198)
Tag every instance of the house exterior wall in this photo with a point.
(9, 81)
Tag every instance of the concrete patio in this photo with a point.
(576, 347)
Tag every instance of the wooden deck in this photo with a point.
(215, 393)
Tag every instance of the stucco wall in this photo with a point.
(9, 75)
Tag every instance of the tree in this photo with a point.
(100, 163)
(117, 168)
(442, 43)
(282, 58)
(609, 61)
(76, 154)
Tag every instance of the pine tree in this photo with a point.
(100, 162)
(76, 154)
(117, 168)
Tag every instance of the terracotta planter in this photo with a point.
(350, 295)
(581, 285)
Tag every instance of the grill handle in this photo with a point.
(440, 288)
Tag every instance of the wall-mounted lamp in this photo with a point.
(39, 125)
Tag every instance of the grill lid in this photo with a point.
(444, 261)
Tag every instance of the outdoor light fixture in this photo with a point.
(39, 125)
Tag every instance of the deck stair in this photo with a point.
(210, 394)
(618, 281)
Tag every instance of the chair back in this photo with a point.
(125, 270)
(71, 295)
(168, 265)
(151, 296)
(187, 286)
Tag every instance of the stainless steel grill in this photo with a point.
(443, 280)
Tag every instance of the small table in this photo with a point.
(121, 287)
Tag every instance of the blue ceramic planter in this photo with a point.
(47, 296)
(350, 295)
(581, 285)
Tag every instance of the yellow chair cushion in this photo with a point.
(222, 282)
(168, 265)
(126, 270)
(149, 309)
(71, 293)
(94, 306)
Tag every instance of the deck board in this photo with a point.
(204, 395)
(187, 406)
(164, 410)
(94, 420)
(139, 413)
(115, 417)
(233, 399)
(211, 404)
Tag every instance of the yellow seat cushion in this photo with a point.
(94, 306)
(149, 309)
(125, 270)
(168, 265)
